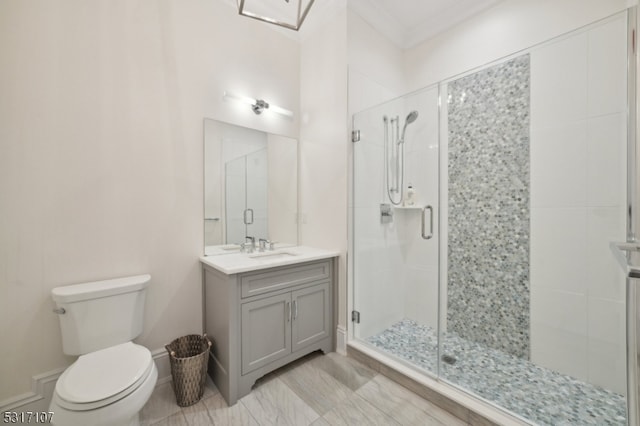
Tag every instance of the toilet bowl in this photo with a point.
(106, 387)
(113, 377)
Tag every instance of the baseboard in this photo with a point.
(341, 340)
(161, 358)
(43, 385)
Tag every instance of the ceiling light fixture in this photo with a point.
(258, 105)
(285, 13)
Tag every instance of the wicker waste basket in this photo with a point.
(189, 356)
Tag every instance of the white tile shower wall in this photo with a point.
(578, 191)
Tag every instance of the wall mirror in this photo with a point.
(250, 187)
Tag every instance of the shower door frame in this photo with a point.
(632, 218)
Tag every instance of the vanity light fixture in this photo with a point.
(258, 105)
(285, 13)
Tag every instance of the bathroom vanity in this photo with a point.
(264, 310)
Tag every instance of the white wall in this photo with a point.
(101, 154)
(323, 137)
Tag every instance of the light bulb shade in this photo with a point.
(285, 13)
(239, 98)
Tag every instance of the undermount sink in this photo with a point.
(272, 255)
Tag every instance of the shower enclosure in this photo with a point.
(498, 279)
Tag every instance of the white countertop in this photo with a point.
(236, 263)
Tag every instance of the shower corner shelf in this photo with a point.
(414, 207)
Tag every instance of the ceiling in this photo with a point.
(410, 22)
(405, 22)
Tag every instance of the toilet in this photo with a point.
(113, 377)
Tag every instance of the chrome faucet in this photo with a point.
(248, 247)
(263, 244)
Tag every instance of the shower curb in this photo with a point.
(454, 407)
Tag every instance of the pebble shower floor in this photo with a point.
(535, 393)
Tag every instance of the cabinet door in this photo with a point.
(266, 331)
(311, 315)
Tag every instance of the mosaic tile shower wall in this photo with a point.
(488, 243)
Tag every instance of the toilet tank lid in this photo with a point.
(96, 289)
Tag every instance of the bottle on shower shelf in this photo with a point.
(410, 196)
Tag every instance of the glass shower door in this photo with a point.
(395, 228)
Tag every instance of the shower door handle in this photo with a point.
(246, 221)
(424, 211)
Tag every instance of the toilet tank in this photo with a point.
(100, 314)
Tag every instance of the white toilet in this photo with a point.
(113, 377)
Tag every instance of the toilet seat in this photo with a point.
(103, 377)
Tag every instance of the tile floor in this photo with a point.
(543, 396)
(316, 390)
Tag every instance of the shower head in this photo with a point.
(413, 115)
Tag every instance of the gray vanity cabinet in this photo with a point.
(311, 322)
(262, 320)
(266, 331)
